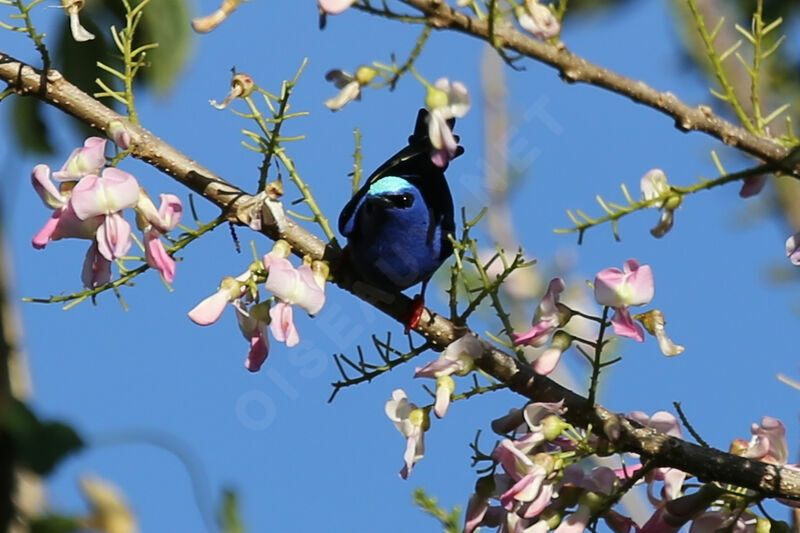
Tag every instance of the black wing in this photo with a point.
(413, 159)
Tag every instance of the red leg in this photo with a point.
(414, 312)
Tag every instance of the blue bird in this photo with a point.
(397, 224)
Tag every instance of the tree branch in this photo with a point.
(705, 463)
(574, 69)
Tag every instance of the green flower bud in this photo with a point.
(365, 75)
(435, 98)
(553, 427)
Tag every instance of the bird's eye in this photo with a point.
(402, 201)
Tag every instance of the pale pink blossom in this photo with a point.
(550, 315)
(620, 289)
(445, 101)
(84, 161)
(119, 133)
(458, 358)
(768, 442)
(96, 268)
(334, 7)
(63, 223)
(298, 287)
(254, 331)
(548, 360)
(282, 324)
(793, 249)
(412, 423)
(672, 478)
(114, 236)
(164, 220)
(538, 19)
(109, 193)
(210, 309)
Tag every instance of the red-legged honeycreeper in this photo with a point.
(397, 224)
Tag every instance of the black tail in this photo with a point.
(420, 135)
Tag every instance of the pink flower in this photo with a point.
(166, 219)
(550, 315)
(793, 249)
(412, 423)
(334, 7)
(457, 358)
(96, 268)
(445, 101)
(63, 223)
(110, 193)
(548, 360)
(622, 288)
(254, 331)
(119, 133)
(768, 442)
(114, 236)
(282, 324)
(300, 287)
(209, 310)
(672, 478)
(538, 20)
(84, 161)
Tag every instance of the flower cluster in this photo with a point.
(303, 286)
(711, 508)
(614, 288)
(88, 203)
(412, 421)
(541, 487)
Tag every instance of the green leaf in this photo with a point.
(31, 130)
(54, 523)
(229, 519)
(38, 446)
(165, 22)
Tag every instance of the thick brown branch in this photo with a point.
(705, 463)
(576, 69)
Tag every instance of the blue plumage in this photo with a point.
(396, 225)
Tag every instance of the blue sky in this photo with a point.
(125, 377)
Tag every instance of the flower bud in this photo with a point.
(365, 75)
(282, 248)
(435, 98)
(420, 418)
(553, 427)
(321, 271)
(738, 447)
(118, 132)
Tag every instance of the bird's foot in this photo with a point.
(414, 313)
